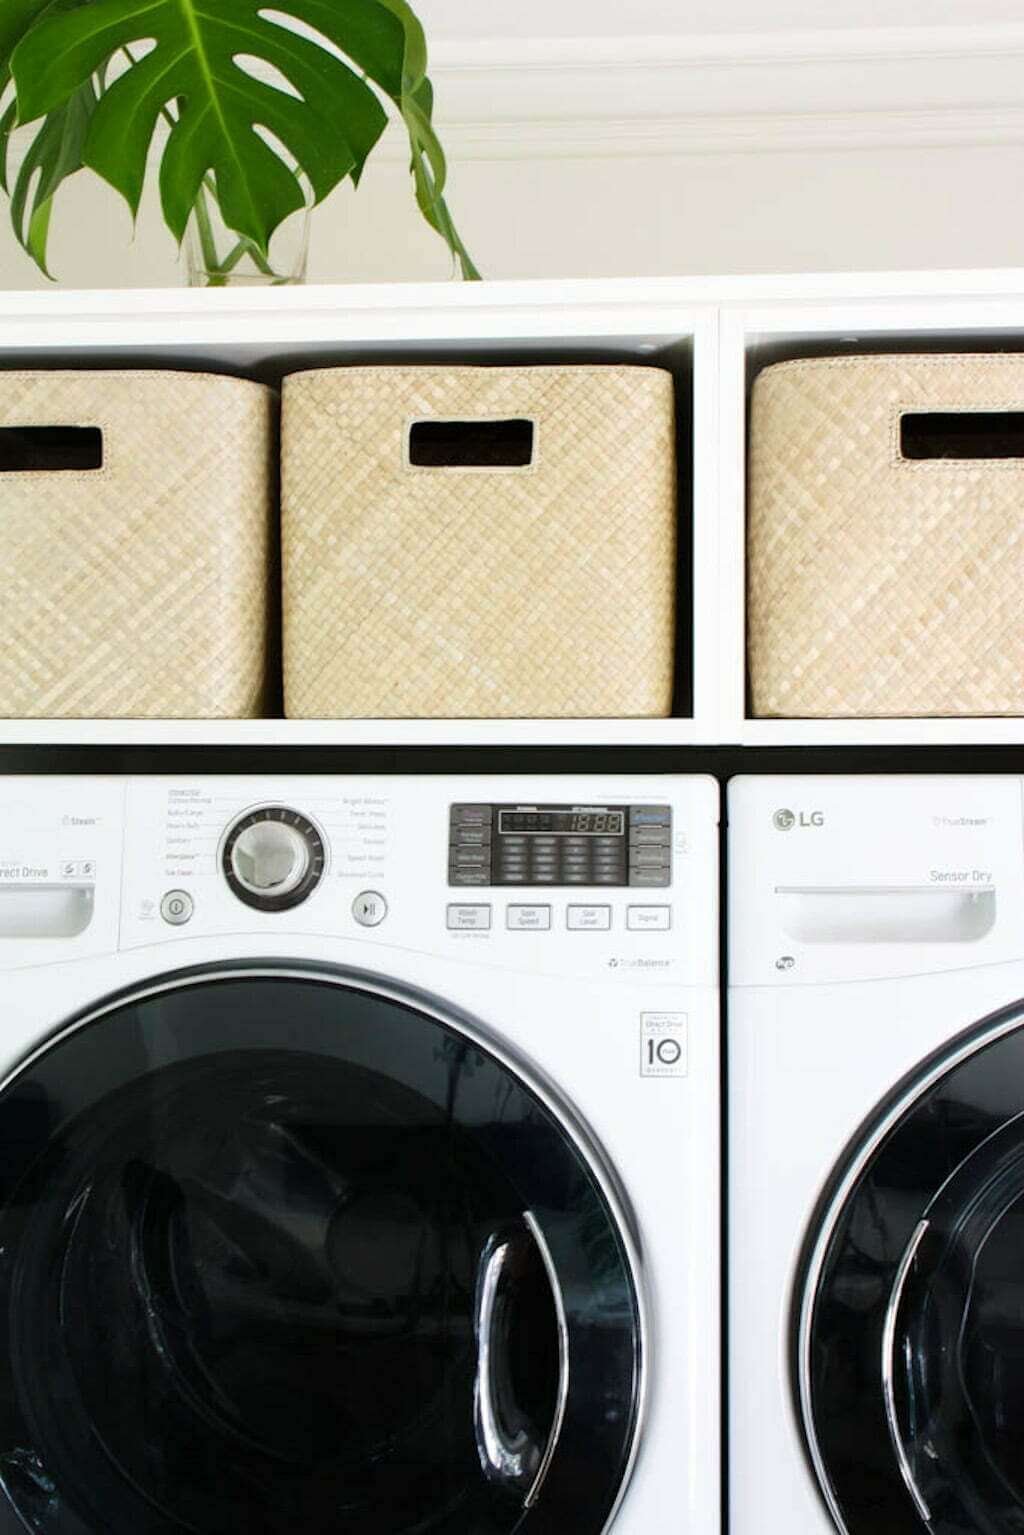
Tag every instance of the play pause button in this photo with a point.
(369, 908)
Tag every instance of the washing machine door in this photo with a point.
(290, 1252)
(911, 1339)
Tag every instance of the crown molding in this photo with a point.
(865, 88)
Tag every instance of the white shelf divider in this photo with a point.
(705, 573)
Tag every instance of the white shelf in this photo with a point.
(714, 332)
(923, 732)
(342, 733)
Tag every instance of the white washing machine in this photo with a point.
(359, 1156)
(876, 1144)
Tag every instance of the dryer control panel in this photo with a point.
(853, 877)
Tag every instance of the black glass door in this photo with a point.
(913, 1365)
(280, 1254)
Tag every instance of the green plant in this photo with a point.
(105, 77)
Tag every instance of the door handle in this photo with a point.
(510, 1448)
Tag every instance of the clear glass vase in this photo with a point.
(216, 257)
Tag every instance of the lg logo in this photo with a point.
(785, 820)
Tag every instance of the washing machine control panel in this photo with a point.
(560, 845)
(576, 875)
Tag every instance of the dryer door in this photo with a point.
(284, 1251)
(912, 1334)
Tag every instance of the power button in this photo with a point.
(177, 907)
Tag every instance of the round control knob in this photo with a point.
(273, 858)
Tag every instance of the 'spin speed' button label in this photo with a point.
(663, 1045)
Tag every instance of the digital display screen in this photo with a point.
(564, 823)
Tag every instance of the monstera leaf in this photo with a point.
(214, 73)
(55, 152)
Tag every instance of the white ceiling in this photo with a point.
(453, 19)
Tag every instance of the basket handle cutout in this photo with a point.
(506, 444)
(50, 449)
(962, 435)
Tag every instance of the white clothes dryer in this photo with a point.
(359, 1155)
(876, 1155)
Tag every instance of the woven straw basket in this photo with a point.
(137, 588)
(886, 578)
(474, 587)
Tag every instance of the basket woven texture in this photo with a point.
(881, 586)
(545, 591)
(139, 589)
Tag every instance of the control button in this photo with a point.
(461, 918)
(528, 918)
(652, 878)
(588, 919)
(650, 858)
(369, 908)
(651, 836)
(648, 919)
(471, 857)
(177, 907)
(650, 815)
(471, 815)
(473, 836)
(469, 877)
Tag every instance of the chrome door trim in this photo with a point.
(889, 1368)
(562, 1324)
(577, 1132)
(980, 1035)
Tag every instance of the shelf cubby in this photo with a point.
(714, 335)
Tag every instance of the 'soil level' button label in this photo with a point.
(663, 1045)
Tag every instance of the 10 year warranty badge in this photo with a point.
(663, 1045)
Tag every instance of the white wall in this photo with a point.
(580, 18)
(719, 135)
